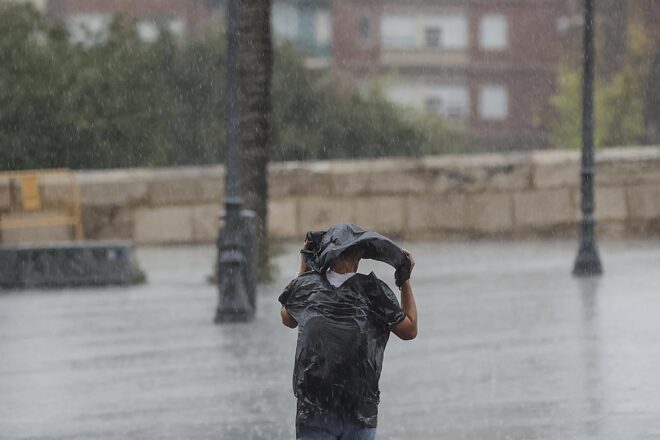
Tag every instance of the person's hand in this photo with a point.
(411, 258)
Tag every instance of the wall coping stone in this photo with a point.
(480, 194)
(341, 166)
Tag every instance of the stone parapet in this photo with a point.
(474, 195)
(5, 195)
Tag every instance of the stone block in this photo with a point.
(353, 177)
(613, 229)
(300, 179)
(434, 213)
(644, 202)
(350, 184)
(490, 212)
(610, 204)
(382, 176)
(108, 222)
(170, 187)
(44, 235)
(617, 166)
(544, 208)
(113, 188)
(206, 222)
(556, 169)
(58, 191)
(399, 182)
(478, 173)
(282, 218)
(382, 214)
(514, 175)
(35, 235)
(319, 213)
(212, 189)
(5, 195)
(165, 225)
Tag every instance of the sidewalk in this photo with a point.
(510, 347)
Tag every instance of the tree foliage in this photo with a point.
(124, 102)
(619, 101)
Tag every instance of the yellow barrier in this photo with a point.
(30, 201)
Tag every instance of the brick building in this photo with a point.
(308, 24)
(39, 4)
(88, 19)
(488, 65)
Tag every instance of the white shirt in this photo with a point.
(337, 279)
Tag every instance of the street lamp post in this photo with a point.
(587, 262)
(236, 282)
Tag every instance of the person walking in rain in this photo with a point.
(344, 320)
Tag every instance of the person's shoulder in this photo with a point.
(373, 284)
(364, 278)
(306, 278)
(374, 279)
(299, 285)
(309, 275)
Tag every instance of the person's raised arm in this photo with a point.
(303, 266)
(407, 329)
(287, 319)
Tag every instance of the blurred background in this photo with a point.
(111, 83)
(453, 126)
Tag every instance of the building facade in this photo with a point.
(39, 4)
(88, 20)
(308, 26)
(490, 66)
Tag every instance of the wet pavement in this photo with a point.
(510, 346)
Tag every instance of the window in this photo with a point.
(493, 103)
(285, 21)
(147, 30)
(409, 31)
(176, 26)
(88, 29)
(323, 28)
(364, 29)
(449, 100)
(456, 111)
(432, 36)
(493, 32)
(397, 31)
(452, 30)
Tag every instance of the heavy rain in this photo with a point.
(222, 219)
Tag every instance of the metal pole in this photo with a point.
(234, 267)
(587, 262)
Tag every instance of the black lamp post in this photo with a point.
(587, 262)
(236, 277)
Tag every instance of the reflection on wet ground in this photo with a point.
(510, 347)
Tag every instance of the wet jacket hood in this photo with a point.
(325, 246)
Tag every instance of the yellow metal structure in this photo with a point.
(30, 192)
(30, 201)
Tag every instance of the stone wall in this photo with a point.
(482, 195)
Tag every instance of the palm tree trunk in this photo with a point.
(256, 71)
